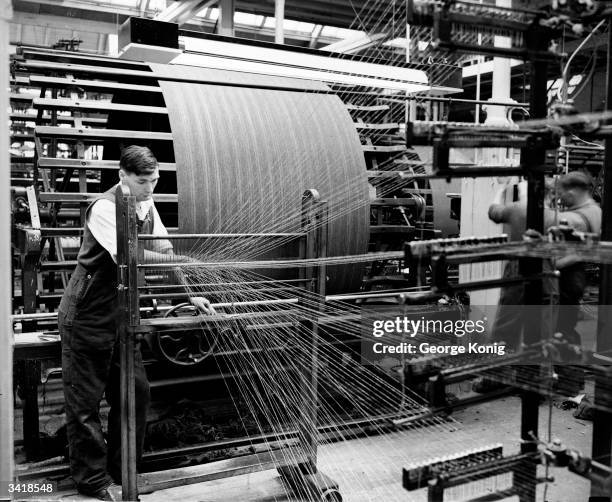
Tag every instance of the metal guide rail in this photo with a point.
(529, 136)
(470, 469)
(439, 475)
(587, 248)
(444, 136)
(440, 253)
(433, 373)
(457, 24)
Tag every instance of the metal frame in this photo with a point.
(533, 157)
(602, 421)
(6, 332)
(129, 319)
(313, 244)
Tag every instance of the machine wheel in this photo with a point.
(187, 348)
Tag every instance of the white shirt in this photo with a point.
(102, 224)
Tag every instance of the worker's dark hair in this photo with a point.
(138, 160)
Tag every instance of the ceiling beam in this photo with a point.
(142, 7)
(316, 33)
(181, 12)
(105, 7)
(102, 43)
(336, 13)
(62, 23)
(279, 18)
(21, 19)
(225, 23)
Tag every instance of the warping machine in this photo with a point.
(258, 169)
(253, 143)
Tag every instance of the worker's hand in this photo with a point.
(203, 305)
(180, 258)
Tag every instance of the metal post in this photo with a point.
(279, 17)
(315, 242)
(127, 281)
(602, 420)
(6, 333)
(496, 115)
(225, 24)
(321, 218)
(533, 158)
(314, 224)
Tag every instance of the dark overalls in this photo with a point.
(90, 365)
(572, 283)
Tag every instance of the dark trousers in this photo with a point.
(572, 283)
(90, 368)
(513, 313)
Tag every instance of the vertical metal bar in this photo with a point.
(121, 217)
(82, 180)
(321, 219)
(316, 237)
(279, 19)
(127, 245)
(225, 24)
(533, 158)
(6, 332)
(602, 421)
(130, 346)
(306, 428)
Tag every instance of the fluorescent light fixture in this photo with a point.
(149, 53)
(221, 63)
(271, 61)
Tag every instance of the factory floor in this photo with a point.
(379, 476)
(495, 422)
(370, 469)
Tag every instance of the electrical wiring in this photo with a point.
(593, 63)
(562, 92)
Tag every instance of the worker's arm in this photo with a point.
(165, 246)
(102, 224)
(199, 302)
(157, 257)
(497, 210)
(159, 229)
